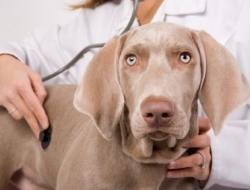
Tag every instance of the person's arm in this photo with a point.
(21, 89)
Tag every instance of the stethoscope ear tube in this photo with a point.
(73, 61)
(87, 48)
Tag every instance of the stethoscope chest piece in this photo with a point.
(45, 137)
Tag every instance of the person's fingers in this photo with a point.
(195, 172)
(38, 87)
(186, 162)
(190, 166)
(25, 112)
(35, 107)
(18, 108)
(200, 141)
(204, 125)
(41, 94)
(13, 111)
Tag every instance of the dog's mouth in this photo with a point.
(158, 136)
(164, 133)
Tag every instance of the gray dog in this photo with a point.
(137, 107)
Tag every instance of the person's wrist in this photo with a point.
(6, 56)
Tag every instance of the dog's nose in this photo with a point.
(157, 113)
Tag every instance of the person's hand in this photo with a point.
(190, 166)
(22, 93)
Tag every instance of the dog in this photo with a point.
(136, 107)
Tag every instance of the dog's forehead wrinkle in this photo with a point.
(137, 48)
(178, 46)
(139, 43)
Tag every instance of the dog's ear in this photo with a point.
(223, 87)
(99, 95)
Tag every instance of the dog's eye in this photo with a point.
(185, 58)
(131, 60)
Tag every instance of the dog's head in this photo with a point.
(149, 80)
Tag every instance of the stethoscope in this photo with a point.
(89, 47)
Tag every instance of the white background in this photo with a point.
(18, 17)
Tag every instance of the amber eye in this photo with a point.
(131, 60)
(185, 58)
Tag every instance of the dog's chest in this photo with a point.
(112, 169)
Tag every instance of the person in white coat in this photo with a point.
(43, 51)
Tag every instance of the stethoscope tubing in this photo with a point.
(89, 47)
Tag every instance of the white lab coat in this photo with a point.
(48, 49)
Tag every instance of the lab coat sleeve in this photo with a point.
(40, 50)
(230, 153)
(230, 149)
